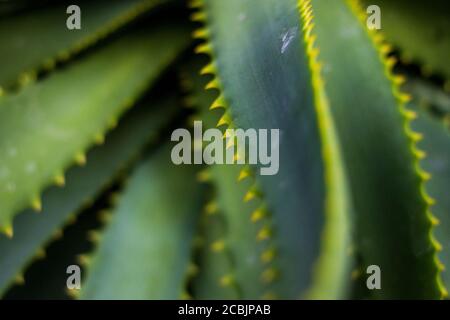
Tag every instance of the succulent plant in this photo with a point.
(364, 174)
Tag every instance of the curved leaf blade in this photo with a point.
(392, 219)
(146, 249)
(272, 89)
(25, 52)
(32, 231)
(420, 30)
(45, 126)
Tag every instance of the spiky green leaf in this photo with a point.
(33, 231)
(146, 249)
(49, 125)
(419, 29)
(263, 73)
(38, 38)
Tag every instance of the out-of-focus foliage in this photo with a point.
(364, 172)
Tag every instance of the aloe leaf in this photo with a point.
(427, 94)
(146, 249)
(32, 231)
(215, 276)
(436, 145)
(262, 71)
(212, 264)
(393, 222)
(246, 234)
(48, 125)
(26, 53)
(420, 30)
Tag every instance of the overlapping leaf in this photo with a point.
(38, 38)
(47, 126)
(33, 231)
(436, 145)
(420, 30)
(263, 73)
(246, 237)
(392, 222)
(146, 250)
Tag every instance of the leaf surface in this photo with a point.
(146, 249)
(38, 38)
(263, 74)
(49, 125)
(33, 231)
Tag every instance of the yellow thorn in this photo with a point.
(218, 246)
(211, 208)
(425, 175)
(93, 236)
(185, 296)
(58, 234)
(269, 275)
(36, 204)
(195, 4)
(8, 231)
(430, 201)
(19, 279)
(203, 48)
(251, 194)
(199, 16)
(40, 253)
(391, 61)
(258, 214)
(60, 181)
(213, 84)
(192, 270)
(415, 136)
(436, 244)
(244, 173)
(112, 123)
(224, 120)
(200, 33)
(420, 154)
(104, 216)
(263, 234)
(210, 68)
(399, 79)
(218, 103)
(386, 48)
(49, 64)
(226, 280)
(84, 260)
(404, 98)
(267, 255)
(99, 138)
(434, 221)
(409, 114)
(73, 293)
(80, 159)
(204, 176)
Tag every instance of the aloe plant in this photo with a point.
(364, 170)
